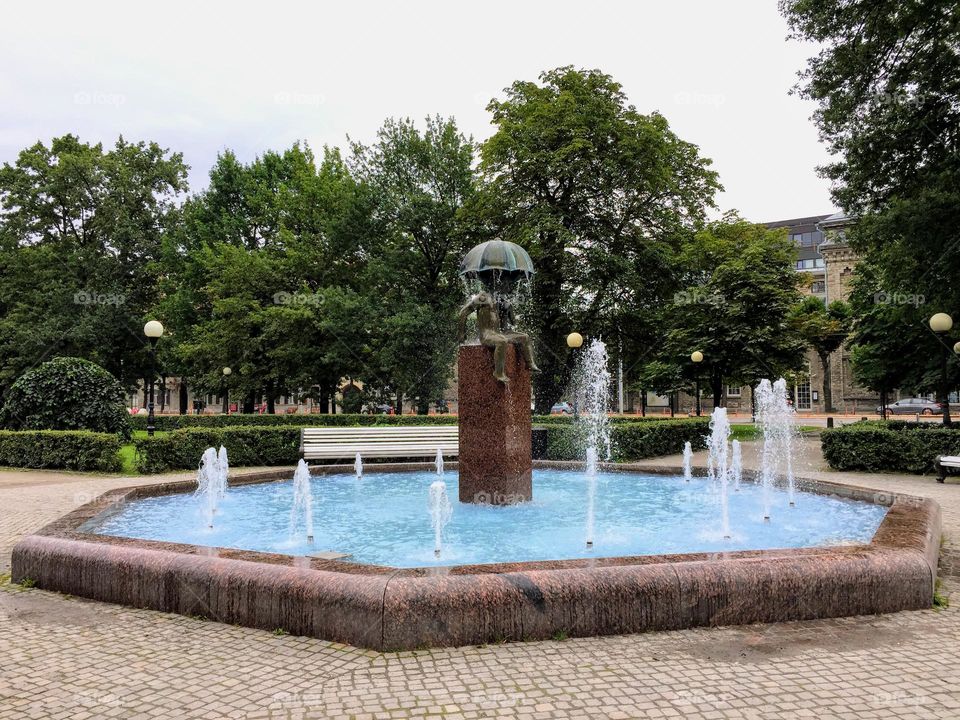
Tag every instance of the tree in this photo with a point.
(66, 394)
(824, 329)
(887, 83)
(601, 196)
(738, 288)
(418, 183)
(80, 236)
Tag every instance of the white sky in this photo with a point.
(200, 76)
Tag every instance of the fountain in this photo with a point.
(358, 466)
(208, 483)
(438, 462)
(719, 466)
(302, 501)
(440, 513)
(775, 417)
(591, 390)
(687, 461)
(736, 464)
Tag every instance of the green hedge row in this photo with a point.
(252, 445)
(60, 449)
(892, 446)
(177, 422)
(629, 440)
(181, 449)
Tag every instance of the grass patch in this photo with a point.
(746, 432)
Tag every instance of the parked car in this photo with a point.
(913, 406)
(562, 408)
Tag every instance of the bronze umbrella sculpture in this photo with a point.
(498, 265)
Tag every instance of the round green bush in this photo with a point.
(66, 393)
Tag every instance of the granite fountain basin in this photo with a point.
(371, 578)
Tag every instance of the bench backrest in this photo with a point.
(377, 441)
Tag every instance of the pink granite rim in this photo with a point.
(387, 608)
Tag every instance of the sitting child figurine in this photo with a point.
(494, 332)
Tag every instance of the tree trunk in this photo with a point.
(883, 402)
(827, 387)
(643, 402)
(673, 401)
(184, 397)
(271, 399)
(248, 403)
(716, 384)
(163, 393)
(324, 401)
(398, 407)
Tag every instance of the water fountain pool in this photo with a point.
(636, 514)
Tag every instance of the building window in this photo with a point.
(803, 394)
(810, 264)
(733, 391)
(818, 287)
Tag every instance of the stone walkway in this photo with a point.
(63, 657)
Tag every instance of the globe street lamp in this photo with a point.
(941, 324)
(575, 341)
(697, 357)
(153, 330)
(226, 391)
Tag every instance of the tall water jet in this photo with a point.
(775, 417)
(736, 464)
(223, 472)
(358, 467)
(591, 390)
(208, 483)
(440, 513)
(687, 461)
(302, 501)
(719, 462)
(439, 462)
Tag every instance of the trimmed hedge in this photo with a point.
(877, 446)
(257, 445)
(177, 422)
(629, 440)
(60, 449)
(181, 449)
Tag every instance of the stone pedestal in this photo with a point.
(495, 459)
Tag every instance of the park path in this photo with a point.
(63, 657)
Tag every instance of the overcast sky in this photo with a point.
(199, 76)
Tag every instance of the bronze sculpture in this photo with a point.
(494, 330)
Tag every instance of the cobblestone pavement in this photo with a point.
(63, 657)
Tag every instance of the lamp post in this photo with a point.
(697, 357)
(575, 341)
(226, 396)
(941, 324)
(153, 330)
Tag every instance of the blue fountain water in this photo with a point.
(384, 519)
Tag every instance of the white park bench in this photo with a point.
(420, 441)
(947, 465)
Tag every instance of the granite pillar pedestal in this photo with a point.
(495, 464)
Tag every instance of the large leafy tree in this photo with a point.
(418, 182)
(823, 328)
(601, 195)
(739, 286)
(887, 83)
(80, 238)
(258, 272)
